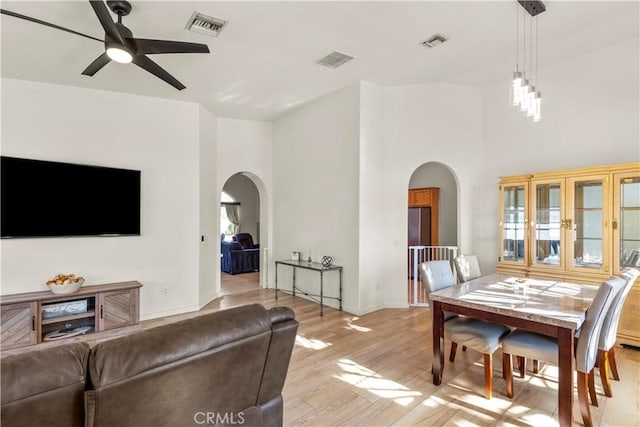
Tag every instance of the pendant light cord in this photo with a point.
(537, 68)
(524, 43)
(517, 37)
(533, 80)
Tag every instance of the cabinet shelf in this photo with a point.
(68, 317)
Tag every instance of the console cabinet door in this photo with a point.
(18, 325)
(117, 309)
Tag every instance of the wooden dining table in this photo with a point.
(548, 307)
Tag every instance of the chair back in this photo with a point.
(467, 267)
(590, 331)
(245, 240)
(436, 275)
(610, 324)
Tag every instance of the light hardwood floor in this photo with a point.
(374, 370)
(238, 283)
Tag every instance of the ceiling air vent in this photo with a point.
(434, 40)
(335, 59)
(203, 24)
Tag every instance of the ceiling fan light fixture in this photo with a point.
(119, 53)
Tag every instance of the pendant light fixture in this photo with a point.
(524, 94)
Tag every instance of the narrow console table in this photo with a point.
(314, 266)
(38, 317)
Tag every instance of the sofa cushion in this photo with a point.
(168, 375)
(44, 387)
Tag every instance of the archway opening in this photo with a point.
(240, 235)
(432, 223)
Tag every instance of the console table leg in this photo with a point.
(294, 281)
(321, 291)
(276, 281)
(340, 293)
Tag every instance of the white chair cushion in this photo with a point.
(531, 345)
(474, 333)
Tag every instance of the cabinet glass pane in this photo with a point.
(587, 227)
(629, 224)
(547, 232)
(513, 224)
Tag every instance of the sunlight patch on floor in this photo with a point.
(311, 343)
(364, 378)
(433, 401)
(497, 404)
(539, 420)
(353, 327)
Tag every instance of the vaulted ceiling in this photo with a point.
(264, 62)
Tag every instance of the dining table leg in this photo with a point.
(565, 376)
(438, 342)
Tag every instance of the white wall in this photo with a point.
(437, 175)
(426, 123)
(590, 117)
(243, 190)
(246, 146)
(209, 285)
(372, 228)
(158, 137)
(316, 190)
(342, 167)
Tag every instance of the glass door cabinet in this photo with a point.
(578, 225)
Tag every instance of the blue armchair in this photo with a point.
(245, 240)
(236, 260)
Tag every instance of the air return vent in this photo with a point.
(434, 40)
(204, 24)
(335, 59)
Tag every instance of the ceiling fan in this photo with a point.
(121, 46)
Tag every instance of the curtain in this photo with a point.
(232, 214)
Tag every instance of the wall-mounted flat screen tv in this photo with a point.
(51, 199)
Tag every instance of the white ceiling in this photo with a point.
(264, 62)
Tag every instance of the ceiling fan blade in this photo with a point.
(48, 24)
(104, 16)
(148, 46)
(97, 65)
(150, 66)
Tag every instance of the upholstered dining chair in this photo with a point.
(476, 334)
(467, 267)
(607, 341)
(545, 348)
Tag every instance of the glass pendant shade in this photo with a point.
(531, 104)
(538, 107)
(516, 84)
(524, 96)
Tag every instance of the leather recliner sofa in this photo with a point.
(223, 368)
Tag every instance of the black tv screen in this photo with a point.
(51, 199)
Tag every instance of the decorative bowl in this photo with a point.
(67, 288)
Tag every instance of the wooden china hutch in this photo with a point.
(578, 225)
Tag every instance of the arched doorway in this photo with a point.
(432, 222)
(240, 236)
